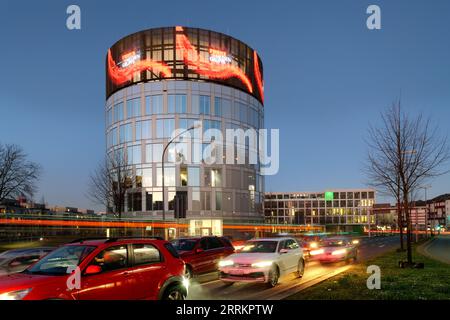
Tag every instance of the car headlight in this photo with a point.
(185, 282)
(313, 245)
(225, 263)
(338, 252)
(15, 295)
(356, 241)
(316, 252)
(262, 264)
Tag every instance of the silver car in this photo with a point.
(17, 260)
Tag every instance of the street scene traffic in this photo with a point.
(240, 157)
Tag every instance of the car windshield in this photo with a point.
(184, 244)
(334, 243)
(260, 247)
(61, 261)
(3, 261)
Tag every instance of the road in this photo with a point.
(438, 248)
(208, 287)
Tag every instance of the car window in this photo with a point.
(204, 244)
(172, 250)
(215, 243)
(112, 258)
(226, 242)
(145, 254)
(24, 261)
(291, 244)
(184, 244)
(282, 245)
(260, 246)
(59, 261)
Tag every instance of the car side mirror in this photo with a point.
(283, 251)
(93, 269)
(199, 250)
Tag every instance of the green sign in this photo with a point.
(329, 196)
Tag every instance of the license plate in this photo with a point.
(237, 272)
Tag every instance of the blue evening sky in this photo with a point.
(326, 78)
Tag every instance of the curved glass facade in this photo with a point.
(140, 120)
(184, 53)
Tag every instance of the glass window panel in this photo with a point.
(183, 176)
(169, 176)
(218, 200)
(147, 177)
(204, 105)
(133, 107)
(146, 127)
(194, 176)
(125, 133)
(157, 152)
(138, 129)
(195, 105)
(118, 112)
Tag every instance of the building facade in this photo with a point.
(166, 81)
(337, 209)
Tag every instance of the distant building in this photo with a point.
(345, 210)
(439, 211)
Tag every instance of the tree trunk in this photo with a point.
(400, 223)
(408, 229)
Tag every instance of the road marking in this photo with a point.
(381, 246)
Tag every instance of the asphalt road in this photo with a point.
(438, 248)
(208, 287)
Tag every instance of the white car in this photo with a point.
(263, 260)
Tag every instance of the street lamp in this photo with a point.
(162, 165)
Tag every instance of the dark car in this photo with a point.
(107, 269)
(17, 260)
(335, 249)
(202, 254)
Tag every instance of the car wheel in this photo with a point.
(274, 275)
(174, 293)
(189, 274)
(300, 268)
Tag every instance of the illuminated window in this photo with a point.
(183, 176)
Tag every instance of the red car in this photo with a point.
(202, 254)
(106, 269)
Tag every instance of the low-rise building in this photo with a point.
(340, 209)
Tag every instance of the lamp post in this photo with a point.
(162, 166)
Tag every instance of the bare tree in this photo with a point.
(404, 153)
(18, 175)
(109, 182)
